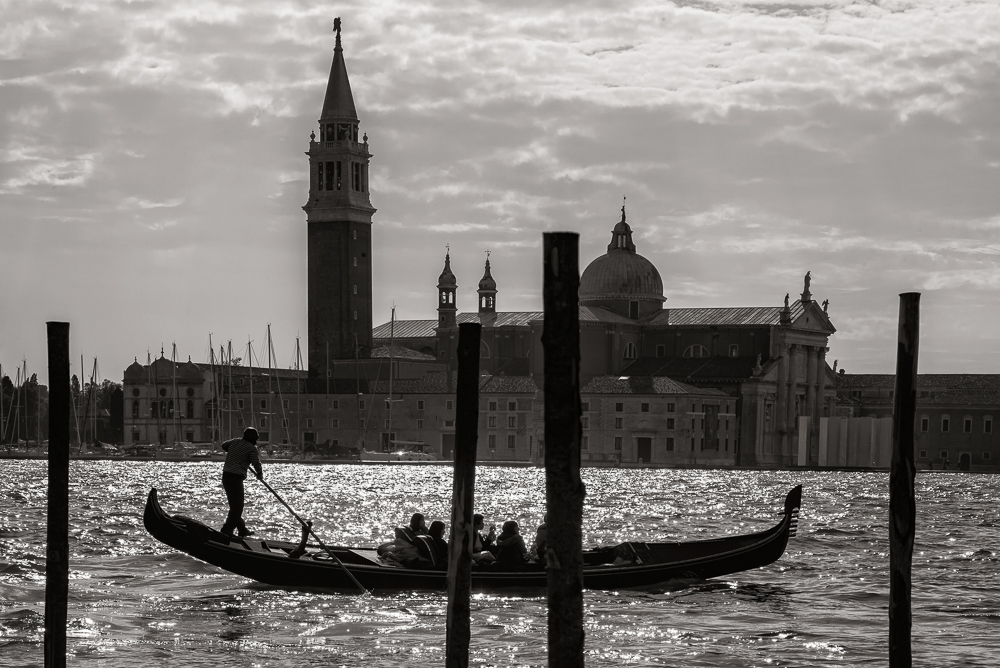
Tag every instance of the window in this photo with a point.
(661, 350)
(335, 405)
(670, 443)
(386, 424)
(189, 436)
(585, 443)
(512, 421)
(644, 408)
(284, 404)
(619, 407)
(945, 423)
(309, 404)
(334, 423)
(263, 404)
(986, 454)
(135, 437)
(670, 423)
(734, 350)
(855, 394)
(943, 454)
(170, 408)
(619, 423)
(511, 441)
(449, 404)
(449, 423)
(135, 409)
(309, 423)
(585, 421)
(163, 438)
(492, 441)
(633, 309)
(987, 425)
(585, 406)
(702, 425)
(284, 423)
(701, 442)
(361, 424)
(420, 404)
(420, 424)
(239, 402)
(361, 404)
(923, 454)
(493, 405)
(967, 425)
(618, 442)
(630, 352)
(239, 421)
(492, 422)
(925, 423)
(671, 407)
(512, 405)
(696, 350)
(263, 422)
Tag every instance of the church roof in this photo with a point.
(401, 353)
(421, 329)
(339, 101)
(643, 385)
(693, 369)
(737, 316)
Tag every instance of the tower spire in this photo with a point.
(447, 287)
(487, 290)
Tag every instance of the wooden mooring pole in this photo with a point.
(462, 497)
(57, 552)
(564, 490)
(902, 502)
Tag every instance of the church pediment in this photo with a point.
(814, 319)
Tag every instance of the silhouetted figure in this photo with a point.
(241, 454)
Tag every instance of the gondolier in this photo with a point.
(241, 454)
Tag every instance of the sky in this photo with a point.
(152, 166)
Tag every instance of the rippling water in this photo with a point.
(825, 602)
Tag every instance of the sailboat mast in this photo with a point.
(253, 414)
(392, 331)
(215, 390)
(298, 383)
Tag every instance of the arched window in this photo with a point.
(190, 409)
(630, 352)
(696, 350)
(135, 408)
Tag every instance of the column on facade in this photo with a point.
(782, 386)
(820, 381)
(811, 386)
(790, 406)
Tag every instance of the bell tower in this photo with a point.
(339, 219)
(447, 286)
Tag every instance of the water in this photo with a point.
(134, 601)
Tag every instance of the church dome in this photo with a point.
(621, 273)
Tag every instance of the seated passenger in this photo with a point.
(481, 547)
(432, 547)
(405, 536)
(541, 533)
(510, 545)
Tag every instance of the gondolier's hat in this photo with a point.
(250, 434)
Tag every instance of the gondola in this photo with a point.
(626, 566)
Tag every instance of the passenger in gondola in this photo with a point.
(538, 549)
(511, 549)
(241, 454)
(405, 538)
(482, 545)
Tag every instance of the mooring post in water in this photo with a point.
(57, 552)
(462, 497)
(902, 502)
(564, 490)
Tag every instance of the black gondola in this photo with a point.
(629, 565)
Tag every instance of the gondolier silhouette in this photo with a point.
(241, 454)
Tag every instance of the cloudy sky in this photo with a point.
(152, 169)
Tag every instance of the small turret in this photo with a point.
(487, 290)
(447, 287)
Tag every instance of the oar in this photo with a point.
(309, 529)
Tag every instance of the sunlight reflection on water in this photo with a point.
(133, 599)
